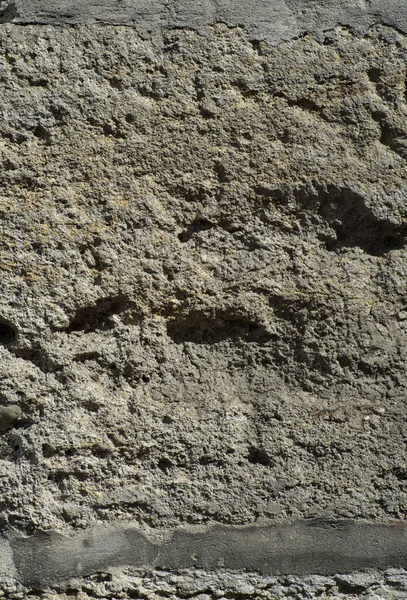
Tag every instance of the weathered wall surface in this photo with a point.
(203, 267)
(270, 20)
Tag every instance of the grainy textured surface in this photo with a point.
(203, 255)
(231, 585)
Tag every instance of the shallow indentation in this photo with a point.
(199, 328)
(8, 334)
(394, 139)
(258, 456)
(350, 219)
(99, 315)
(194, 228)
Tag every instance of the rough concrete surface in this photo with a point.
(203, 255)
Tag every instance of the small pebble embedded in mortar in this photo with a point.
(8, 416)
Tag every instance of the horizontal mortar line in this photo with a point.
(299, 548)
(272, 21)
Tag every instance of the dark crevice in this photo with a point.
(347, 587)
(264, 192)
(190, 192)
(38, 357)
(305, 104)
(200, 328)
(85, 356)
(210, 460)
(14, 136)
(199, 88)
(394, 139)
(58, 476)
(221, 172)
(400, 473)
(8, 12)
(165, 465)
(43, 134)
(293, 310)
(351, 221)
(60, 113)
(99, 315)
(8, 333)
(258, 46)
(206, 113)
(36, 81)
(258, 456)
(116, 82)
(114, 130)
(374, 74)
(384, 89)
(245, 89)
(137, 504)
(197, 225)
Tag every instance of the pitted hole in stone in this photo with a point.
(199, 224)
(43, 134)
(99, 315)
(100, 451)
(165, 464)
(190, 192)
(374, 74)
(69, 452)
(16, 447)
(116, 83)
(258, 456)
(349, 218)
(400, 473)
(199, 328)
(86, 356)
(49, 451)
(394, 138)
(8, 334)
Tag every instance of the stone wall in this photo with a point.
(203, 274)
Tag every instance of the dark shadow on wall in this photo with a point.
(8, 333)
(200, 328)
(349, 217)
(98, 316)
(8, 12)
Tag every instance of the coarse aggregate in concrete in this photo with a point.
(203, 273)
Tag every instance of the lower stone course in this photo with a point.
(202, 585)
